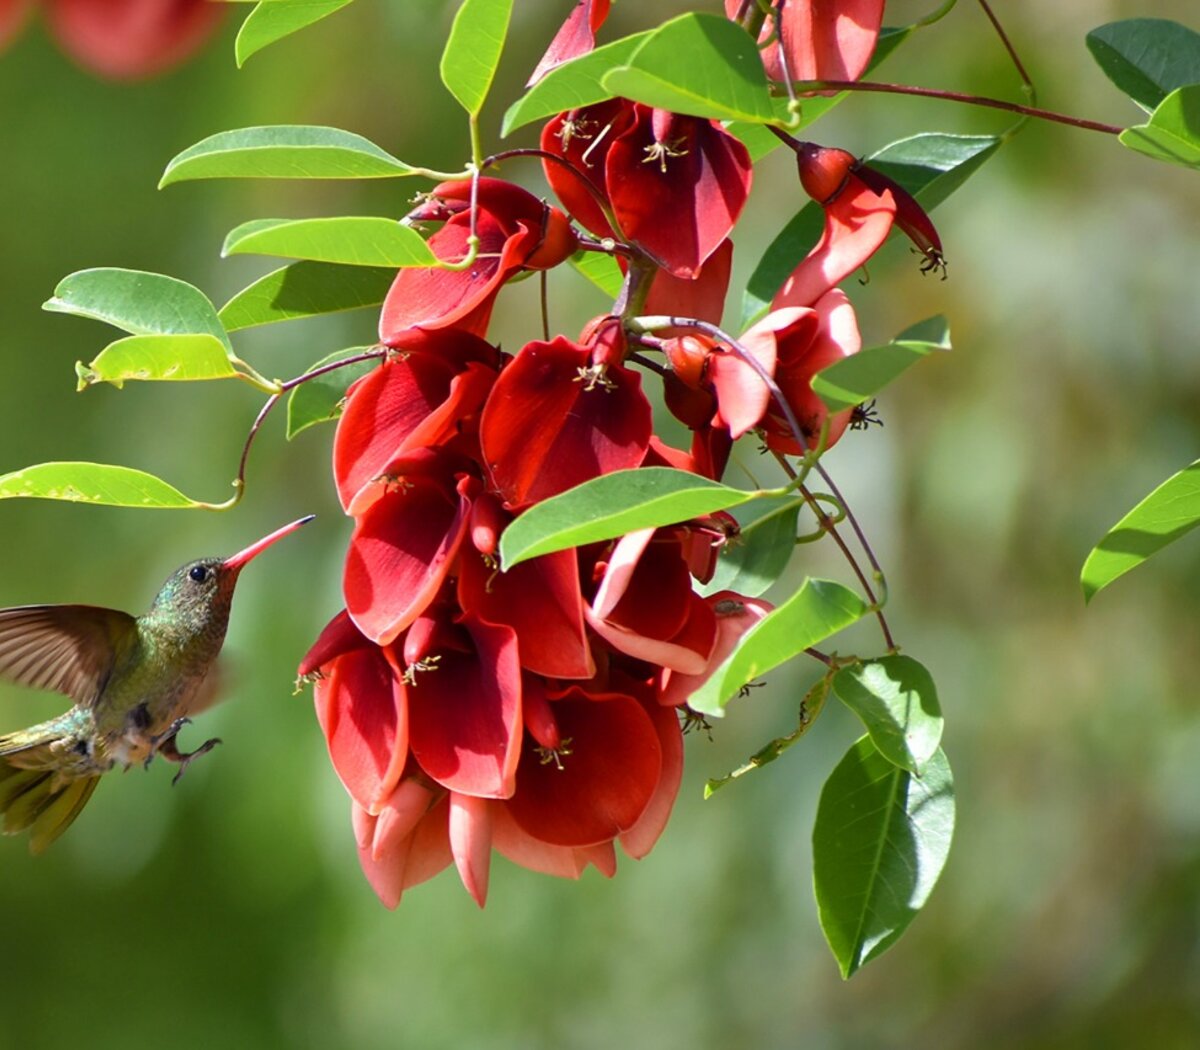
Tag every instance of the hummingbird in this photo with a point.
(134, 681)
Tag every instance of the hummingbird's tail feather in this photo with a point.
(36, 793)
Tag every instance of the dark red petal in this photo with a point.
(604, 783)
(540, 600)
(465, 713)
(128, 39)
(640, 839)
(361, 709)
(338, 636)
(679, 199)
(583, 138)
(575, 37)
(701, 297)
(401, 550)
(735, 615)
(547, 426)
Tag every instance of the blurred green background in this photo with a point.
(231, 907)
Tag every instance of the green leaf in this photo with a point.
(346, 240)
(306, 289)
(158, 357)
(752, 562)
(1172, 510)
(613, 505)
(138, 302)
(930, 166)
(98, 483)
(602, 270)
(1173, 133)
(319, 400)
(473, 51)
(273, 20)
(880, 842)
(861, 376)
(819, 609)
(572, 85)
(284, 151)
(699, 64)
(897, 701)
(1147, 58)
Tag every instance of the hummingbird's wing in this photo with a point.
(67, 648)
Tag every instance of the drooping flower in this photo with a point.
(819, 39)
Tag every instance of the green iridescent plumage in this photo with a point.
(134, 681)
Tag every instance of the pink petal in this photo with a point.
(465, 712)
(512, 841)
(742, 396)
(402, 549)
(735, 615)
(606, 781)
(622, 564)
(362, 713)
(824, 39)
(471, 843)
(547, 426)
(401, 813)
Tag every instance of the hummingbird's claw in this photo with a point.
(159, 744)
(184, 761)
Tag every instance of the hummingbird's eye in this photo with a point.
(198, 573)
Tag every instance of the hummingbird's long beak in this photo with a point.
(238, 560)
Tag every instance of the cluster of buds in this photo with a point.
(537, 712)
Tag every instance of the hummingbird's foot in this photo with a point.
(158, 744)
(170, 751)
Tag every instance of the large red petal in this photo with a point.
(701, 297)
(361, 709)
(402, 549)
(547, 425)
(681, 202)
(640, 839)
(605, 781)
(128, 39)
(465, 713)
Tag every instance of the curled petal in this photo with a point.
(396, 864)
(362, 712)
(400, 813)
(465, 712)
(130, 39)
(742, 395)
(735, 615)
(553, 421)
(471, 843)
(338, 636)
(599, 787)
(640, 839)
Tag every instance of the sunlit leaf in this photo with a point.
(473, 50)
(1147, 58)
(601, 269)
(138, 302)
(273, 20)
(897, 701)
(572, 85)
(1173, 132)
(158, 357)
(930, 166)
(306, 289)
(861, 376)
(346, 240)
(819, 609)
(1172, 510)
(755, 559)
(699, 64)
(319, 400)
(284, 151)
(613, 505)
(99, 483)
(880, 841)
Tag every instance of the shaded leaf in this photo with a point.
(1147, 58)
(1172, 510)
(613, 505)
(897, 701)
(819, 609)
(473, 50)
(861, 376)
(699, 64)
(99, 483)
(1173, 132)
(273, 20)
(138, 302)
(283, 151)
(346, 240)
(158, 357)
(880, 842)
(756, 558)
(306, 289)
(319, 400)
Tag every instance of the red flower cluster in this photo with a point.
(121, 39)
(535, 711)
